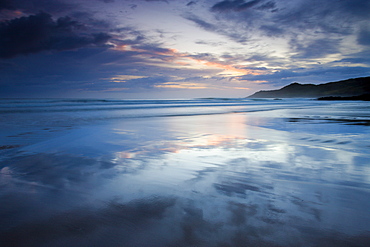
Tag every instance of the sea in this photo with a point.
(184, 172)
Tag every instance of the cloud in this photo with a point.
(191, 3)
(358, 9)
(356, 58)
(237, 5)
(333, 17)
(210, 43)
(299, 17)
(363, 37)
(6, 4)
(323, 18)
(220, 28)
(94, 69)
(271, 34)
(182, 85)
(118, 222)
(35, 6)
(156, 1)
(202, 23)
(318, 74)
(268, 5)
(40, 32)
(272, 30)
(65, 72)
(315, 49)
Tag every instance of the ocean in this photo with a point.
(190, 172)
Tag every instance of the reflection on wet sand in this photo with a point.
(220, 180)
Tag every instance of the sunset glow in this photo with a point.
(218, 48)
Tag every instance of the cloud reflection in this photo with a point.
(235, 180)
(113, 225)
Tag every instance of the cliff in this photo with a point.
(350, 87)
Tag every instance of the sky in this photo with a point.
(151, 49)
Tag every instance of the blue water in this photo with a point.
(157, 107)
(198, 172)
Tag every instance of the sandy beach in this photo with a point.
(185, 173)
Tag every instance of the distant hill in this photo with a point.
(364, 97)
(345, 88)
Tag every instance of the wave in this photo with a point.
(75, 111)
(74, 105)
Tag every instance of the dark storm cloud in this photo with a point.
(40, 32)
(35, 6)
(59, 73)
(6, 4)
(87, 71)
(90, 68)
(237, 5)
(89, 20)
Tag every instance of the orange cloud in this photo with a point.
(174, 56)
(10, 14)
(227, 69)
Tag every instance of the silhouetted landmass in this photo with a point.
(365, 97)
(345, 88)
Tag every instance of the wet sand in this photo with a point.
(288, 177)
